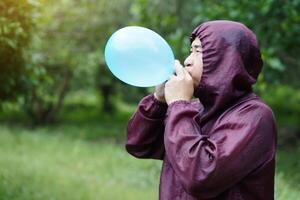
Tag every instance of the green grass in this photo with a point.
(288, 174)
(65, 162)
(38, 164)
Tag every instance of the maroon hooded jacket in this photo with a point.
(223, 146)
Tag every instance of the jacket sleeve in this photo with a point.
(208, 164)
(145, 129)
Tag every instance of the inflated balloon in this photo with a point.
(140, 57)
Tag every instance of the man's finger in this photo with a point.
(172, 77)
(179, 69)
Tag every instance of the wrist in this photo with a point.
(161, 99)
(178, 99)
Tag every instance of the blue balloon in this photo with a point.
(140, 57)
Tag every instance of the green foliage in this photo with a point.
(284, 101)
(169, 18)
(15, 29)
(274, 23)
(66, 53)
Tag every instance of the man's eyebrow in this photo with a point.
(196, 46)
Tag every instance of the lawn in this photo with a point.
(63, 162)
(45, 164)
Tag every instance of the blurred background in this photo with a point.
(63, 115)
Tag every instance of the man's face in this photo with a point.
(194, 63)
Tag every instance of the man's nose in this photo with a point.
(188, 62)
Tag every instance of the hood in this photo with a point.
(231, 64)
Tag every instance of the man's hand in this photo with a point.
(179, 86)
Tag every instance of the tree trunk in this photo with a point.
(41, 111)
(62, 89)
(107, 104)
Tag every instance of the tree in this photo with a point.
(66, 53)
(170, 18)
(276, 24)
(16, 24)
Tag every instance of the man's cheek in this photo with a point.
(189, 70)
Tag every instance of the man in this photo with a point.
(222, 146)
